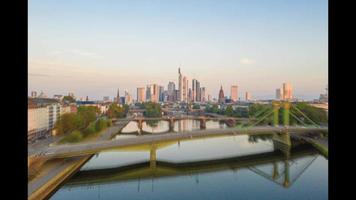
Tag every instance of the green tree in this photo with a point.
(75, 136)
(116, 111)
(88, 114)
(100, 124)
(196, 106)
(317, 115)
(68, 99)
(152, 110)
(229, 111)
(69, 122)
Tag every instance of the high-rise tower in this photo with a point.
(234, 95)
(221, 96)
(180, 86)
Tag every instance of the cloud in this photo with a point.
(75, 52)
(246, 61)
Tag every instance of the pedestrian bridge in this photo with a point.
(282, 138)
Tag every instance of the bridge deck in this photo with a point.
(93, 147)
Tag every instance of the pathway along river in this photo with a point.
(228, 167)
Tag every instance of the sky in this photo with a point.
(92, 48)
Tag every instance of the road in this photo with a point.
(52, 171)
(93, 147)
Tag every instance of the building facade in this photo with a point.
(279, 94)
(141, 94)
(234, 94)
(248, 96)
(287, 91)
(42, 114)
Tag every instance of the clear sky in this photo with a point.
(92, 48)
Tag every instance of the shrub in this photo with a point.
(73, 137)
(109, 122)
(100, 124)
(89, 130)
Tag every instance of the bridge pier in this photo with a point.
(282, 142)
(286, 182)
(139, 124)
(202, 123)
(153, 158)
(171, 125)
(230, 122)
(276, 106)
(286, 114)
(275, 173)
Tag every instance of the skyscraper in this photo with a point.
(248, 96)
(185, 89)
(171, 92)
(140, 94)
(128, 98)
(154, 93)
(287, 91)
(221, 96)
(180, 86)
(194, 92)
(160, 93)
(234, 94)
(279, 94)
(202, 93)
(197, 90)
(190, 98)
(148, 93)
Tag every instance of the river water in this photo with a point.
(225, 167)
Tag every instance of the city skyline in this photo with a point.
(127, 45)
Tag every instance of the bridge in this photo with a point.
(248, 128)
(94, 147)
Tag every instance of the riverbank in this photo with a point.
(52, 173)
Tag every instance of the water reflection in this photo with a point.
(213, 168)
(155, 126)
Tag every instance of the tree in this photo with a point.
(88, 114)
(116, 111)
(69, 122)
(100, 124)
(229, 111)
(196, 106)
(68, 99)
(152, 110)
(317, 115)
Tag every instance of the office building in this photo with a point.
(234, 94)
(279, 94)
(202, 94)
(152, 93)
(185, 89)
(180, 86)
(160, 93)
(248, 96)
(128, 98)
(287, 91)
(140, 94)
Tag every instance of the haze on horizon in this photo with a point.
(92, 48)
